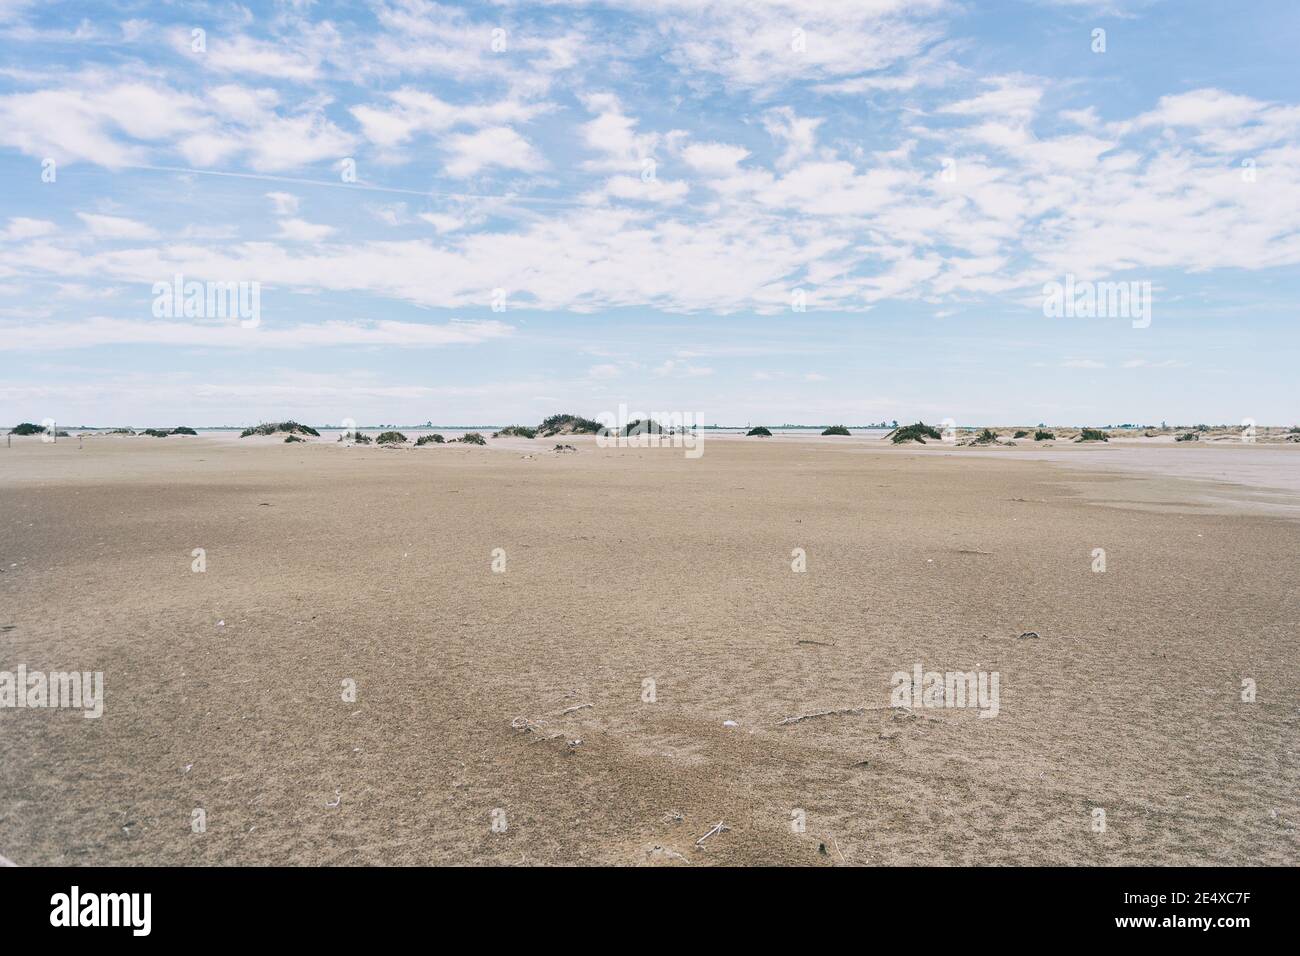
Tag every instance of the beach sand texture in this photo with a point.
(329, 564)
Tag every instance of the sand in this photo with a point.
(330, 564)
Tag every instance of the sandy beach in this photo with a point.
(225, 689)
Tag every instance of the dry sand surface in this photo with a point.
(373, 565)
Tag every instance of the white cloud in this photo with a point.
(798, 134)
(115, 227)
(673, 368)
(415, 112)
(20, 228)
(299, 230)
(1011, 97)
(714, 159)
(98, 331)
(497, 146)
(285, 204)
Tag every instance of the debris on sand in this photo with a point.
(840, 712)
(717, 828)
(657, 855)
(818, 643)
(569, 710)
(1028, 634)
(534, 727)
(529, 727)
(564, 449)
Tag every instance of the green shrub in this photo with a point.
(270, 428)
(434, 439)
(569, 425)
(293, 438)
(391, 438)
(759, 432)
(1044, 435)
(360, 438)
(1092, 434)
(918, 433)
(155, 432)
(646, 427)
(561, 449)
(472, 438)
(522, 431)
(836, 430)
(1020, 434)
(1190, 436)
(120, 431)
(27, 428)
(182, 430)
(986, 437)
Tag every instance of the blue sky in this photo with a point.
(641, 187)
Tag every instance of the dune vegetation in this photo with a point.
(917, 433)
(271, 428)
(837, 430)
(568, 425)
(759, 432)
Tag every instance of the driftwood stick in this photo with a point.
(717, 828)
(840, 712)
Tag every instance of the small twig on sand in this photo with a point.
(570, 710)
(527, 726)
(818, 643)
(972, 551)
(718, 827)
(841, 712)
(837, 847)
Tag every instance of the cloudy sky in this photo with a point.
(754, 210)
